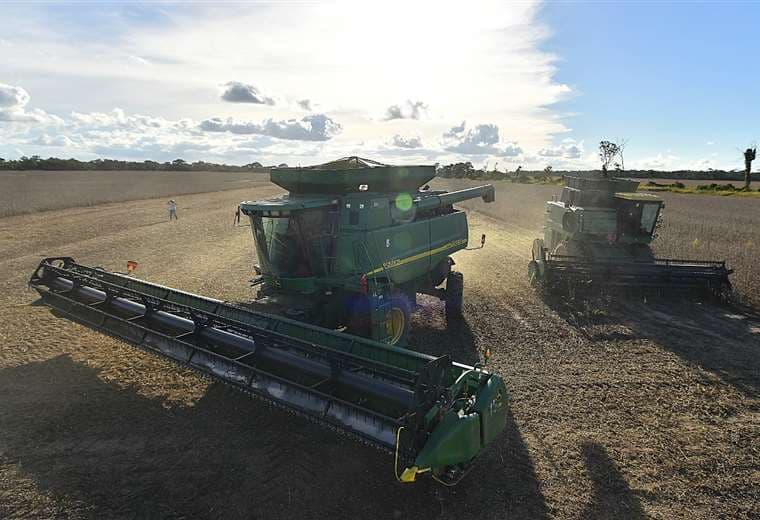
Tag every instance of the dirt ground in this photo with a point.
(621, 410)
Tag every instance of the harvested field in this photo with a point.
(30, 191)
(632, 410)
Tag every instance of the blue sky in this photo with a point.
(664, 75)
(524, 83)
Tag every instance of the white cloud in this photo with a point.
(13, 101)
(567, 149)
(406, 142)
(317, 127)
(58, 140)
(237, 92)
(407, 110)
(139, 60)
(710, 143)
(482, 139)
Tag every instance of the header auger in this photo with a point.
(434, 415)
(354, 241)
(597, 239)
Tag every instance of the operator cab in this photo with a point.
(637, 214)
(293, 237)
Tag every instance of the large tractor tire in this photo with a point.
(399, 320)
(454, 296)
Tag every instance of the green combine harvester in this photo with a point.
(597, 239)
(354, 241)
(352, 244)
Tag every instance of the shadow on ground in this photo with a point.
(455, 338)
(611, 495)
(722, 339)
(113, 452)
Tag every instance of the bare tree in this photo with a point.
(546, 174)
(608, 152)
(749, 156)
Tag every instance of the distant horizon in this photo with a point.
(4, 161)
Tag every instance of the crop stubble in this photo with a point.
(622, 411)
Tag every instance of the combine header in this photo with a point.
(355, 241)
(434, 415)
(597, 238)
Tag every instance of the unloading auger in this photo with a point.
(434, 415)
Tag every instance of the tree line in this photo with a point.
(460, 170)
(465, 170)
(35, 162)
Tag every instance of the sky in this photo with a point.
(502, 84)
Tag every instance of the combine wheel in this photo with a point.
(534, 274)
(454, 295)
(398, 320)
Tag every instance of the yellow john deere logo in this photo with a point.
(390, 264)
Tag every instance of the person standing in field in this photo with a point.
(172, 206)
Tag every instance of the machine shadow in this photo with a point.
(722, 339)
(430, 333)
(612, 496)
(114, 452)
(438, 338)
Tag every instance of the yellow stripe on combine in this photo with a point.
(390, 264)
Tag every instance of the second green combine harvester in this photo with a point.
(597, 238)
(354, 241)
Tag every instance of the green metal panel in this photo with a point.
(448, 234)
(401, 251)
(306, 285)
(365, 211)
(492, 407)
(455, 439)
